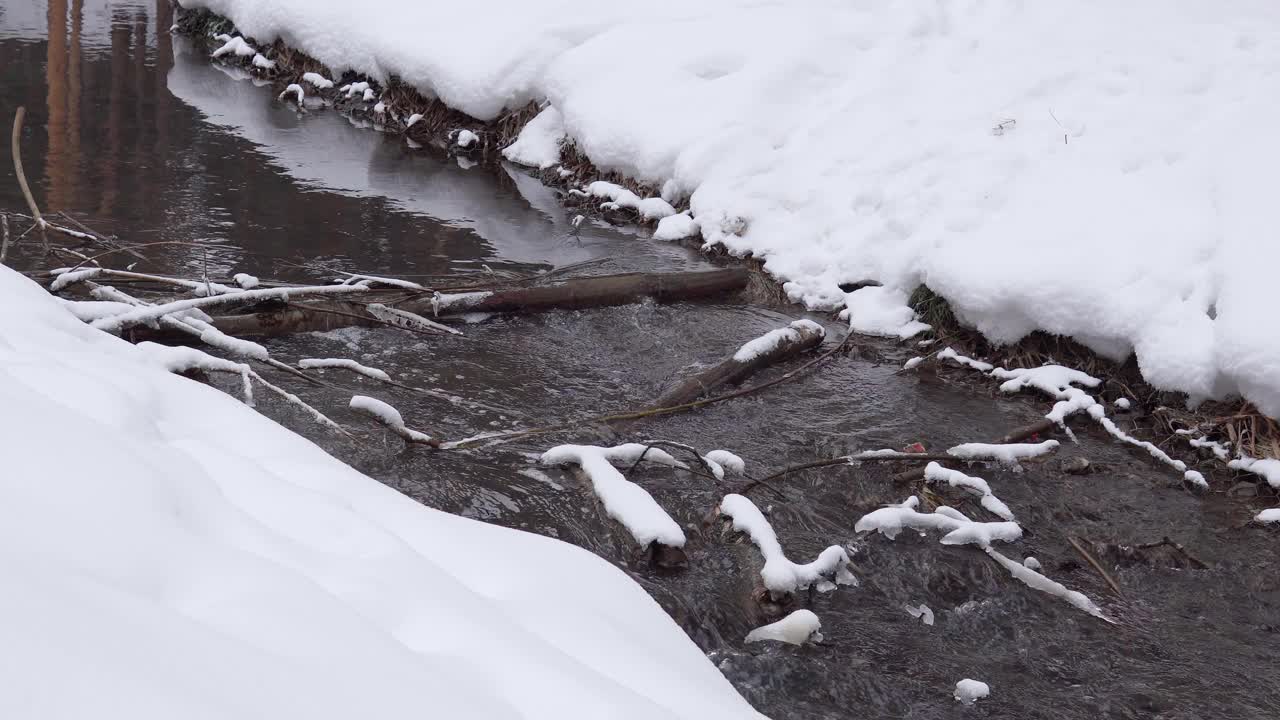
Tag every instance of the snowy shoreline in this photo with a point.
(1041, 198)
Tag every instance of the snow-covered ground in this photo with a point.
(170, 553)
(1094, 169)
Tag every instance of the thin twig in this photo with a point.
(1096, 565)
(22, 177)
(1178, 547)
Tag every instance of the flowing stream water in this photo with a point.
(135, 132)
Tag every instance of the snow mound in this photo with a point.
(766, 343)
(798, 628)
(960, 530)
(970, 691)
(1003, 160)
(194, 559)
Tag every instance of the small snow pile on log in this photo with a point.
(617, 197)
(798, 628)
(1268, 469)
(1037, 581)
(623, 500)
(676, 227)
(63, 280)
(355, 88)
(949, 353)
(960, 530)
(295, 90)
(245, 281)
(317, 81)
(1031, 563)
(149, 313)
(390, 417)
(779, 574)
(970, 691)
(722, 462)
(936, 473)
(90, 310)
(1270, 515)
(465, 139)
(413, 120)
(235, 45)
(771, 340)
(538, 144)
(1008, 453)
(456, 302)
(262, 62)
(1218, 449)
(345, 364)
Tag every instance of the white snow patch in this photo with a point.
(960, 530)
(235, 45)
(245, 281)
(652, 208)
(676, 227)
(538, 144)
(1036, 581)
(1030, 563)
(950, 354)
(1122, 403)
(386, 414)
(937, 473)
(779, 574)
(921, 612)
(261, 61)
(1268, 469)
(296, 91)
(623, 500)
(970, 691)
(317, 81)
(465, 139)
(877, 310)
(1270, 515)
(352, 365)
(413, 120)
(768, 342)
(727, 462)
(1008, 453)
(798, 628)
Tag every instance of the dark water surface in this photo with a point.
(135, 132)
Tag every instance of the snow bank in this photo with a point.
(623, 500)
(538, 144)
(1004, 158)
(192, 559)
(779, 574)
(797, 628)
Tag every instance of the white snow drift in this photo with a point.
(170, 553)
(1114, 190)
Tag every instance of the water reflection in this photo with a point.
(135, 130)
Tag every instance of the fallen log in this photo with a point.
(575, 293)
(765, 351)
(588, 292)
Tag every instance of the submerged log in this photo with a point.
(765, 351)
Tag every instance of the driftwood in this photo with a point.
(16, 149)
(733, 371)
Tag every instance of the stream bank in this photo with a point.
(185, 153)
